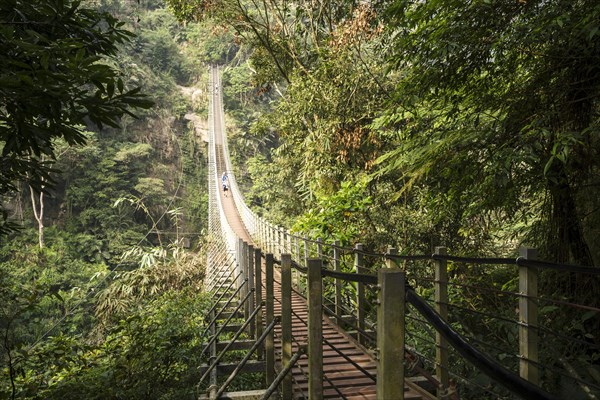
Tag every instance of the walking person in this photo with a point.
(225, 183)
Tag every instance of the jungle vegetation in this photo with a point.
(472, 125)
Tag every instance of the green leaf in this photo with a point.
(589, 315)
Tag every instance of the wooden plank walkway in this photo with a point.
(342, 378)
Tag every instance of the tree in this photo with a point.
(497, 111)
(56, 75)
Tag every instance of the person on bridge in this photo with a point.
(225, 183)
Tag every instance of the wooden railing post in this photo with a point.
(528, 318)
(315, 329)
(258, 295)
(270, 315)
(302, 279)
(306, 250)
(286, 322)
(390, 333)
(297, 241)
(280, 241)
(337, 265)
(240, 263)
(320, 248)
(390, 262)
(246, 269)
(269, 238)
(441, 306)
(261, 231)
(360, 294)
(294, 271)
(251, 287)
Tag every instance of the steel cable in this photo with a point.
(506, 378)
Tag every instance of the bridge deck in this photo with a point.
(342, 379)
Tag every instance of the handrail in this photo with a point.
(231, 316)
(286, 370)
(494, 370)
(224, 292)
(276, 240)
(506, 378)
(242, 363)
(228, 346)
(216, 317)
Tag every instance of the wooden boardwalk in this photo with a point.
(343, 379)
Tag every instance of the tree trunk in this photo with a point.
(569, 242)
(38, 213)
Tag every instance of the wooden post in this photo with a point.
(297, 240)
(269, 238)
(270, 311)
(258, 294)
(284, 241)
(337, 265)
(441, 306)
(315, 329)
(246, 273)
(390, 334)
(280, 241)
(390, 262)
(294, 271)
(360, 294)
(261, 231)
(320, 248)
(240, 263)
(286, 322)
(306, 250)
(237, 264)
(251, 286)
(528, 318)
(213, 378)
(306, 257)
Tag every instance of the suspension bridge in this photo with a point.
(303, 319)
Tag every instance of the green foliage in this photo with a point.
(160, 270)
(158, 50)
(271, 183)
(42, 287)
(56, 74)
(209, 43)
(150, 354)
(340, 216)
(53, 344)
(237, 86)
(188, 10)
(491, 125)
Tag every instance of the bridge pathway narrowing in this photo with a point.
(348, 381)
(342, 379)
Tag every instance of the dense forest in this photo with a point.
(104, 216)
(472, 125)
